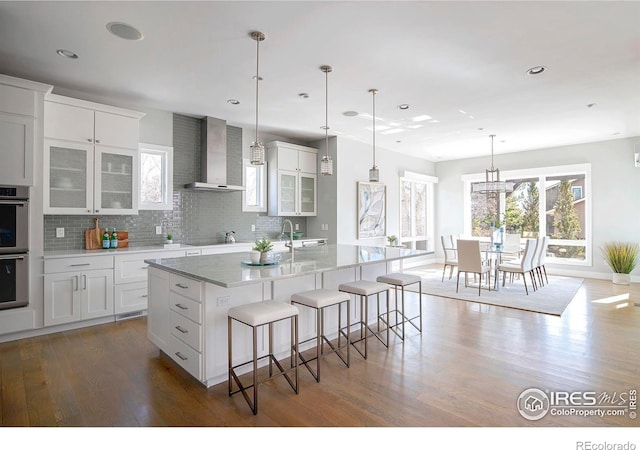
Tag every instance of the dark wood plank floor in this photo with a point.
(465, 370)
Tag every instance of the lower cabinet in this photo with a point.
(75, 296)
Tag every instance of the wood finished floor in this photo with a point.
(465, 370)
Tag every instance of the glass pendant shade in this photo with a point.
(256, 153)
(492, 183)
(374, 174)
(326, 166)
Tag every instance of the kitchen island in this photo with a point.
(189, 297)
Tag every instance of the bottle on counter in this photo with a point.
(106, 241)
(114, 239)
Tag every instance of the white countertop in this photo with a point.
(228, 271)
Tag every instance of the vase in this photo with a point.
(621, 278)
(254, 256)
(263, 257)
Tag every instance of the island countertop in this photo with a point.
(231, 270)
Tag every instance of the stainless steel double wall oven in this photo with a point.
(14, 246)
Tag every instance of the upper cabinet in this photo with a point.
(90, 158)
(292, 179)
(20, 126)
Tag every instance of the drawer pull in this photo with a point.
(181, 356)
(182, 307)
(181, 330)
(144, 295)
(182, 286)
(78, 265)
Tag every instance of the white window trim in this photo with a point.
(167, 155)
(262, 201)
(541, 173)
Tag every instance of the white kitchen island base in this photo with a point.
(189, 298)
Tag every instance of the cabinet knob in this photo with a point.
(89, 140)
(97, 210)
(97, 141)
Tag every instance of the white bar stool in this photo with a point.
(365, 289)
(403, 280)
(256, 315)
(319, 300)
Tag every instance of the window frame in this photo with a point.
(261, 184)
(542, 173)
(167, 176)
(429, 182)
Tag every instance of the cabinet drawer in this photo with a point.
(132, 268)
(187, 287)
(130, 297)
(76, 264)
(186, 357)
(187, 331)
(185, 306)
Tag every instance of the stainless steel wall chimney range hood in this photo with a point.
(213, 158)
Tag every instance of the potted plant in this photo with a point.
(393, 240)
(622, 257)
(263, 246)
(169, 238)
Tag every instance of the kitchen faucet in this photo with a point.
(290, 243)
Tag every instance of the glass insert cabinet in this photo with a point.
(90, 158)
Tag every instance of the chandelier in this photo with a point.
(492, 177)
(326, 165)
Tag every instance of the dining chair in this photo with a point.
(511, 247)
(522, 267)
(470, 261)
(540, 269)
(449, 256)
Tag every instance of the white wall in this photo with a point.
(615, 192)
(354, 161)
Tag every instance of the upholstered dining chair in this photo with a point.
(449, 257)
(470, 261)
(511, 249)
(539, 263)
(523, 266)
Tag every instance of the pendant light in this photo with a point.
(374, 173)
(492, 185)
(326, 165)
(256, 151)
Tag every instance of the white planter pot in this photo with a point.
(254, 256)
(621, 278)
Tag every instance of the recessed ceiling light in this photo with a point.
(591, 105)
(403, 106)
(67, 53)
(303, 95)
(350, 113)
(536, 70)
(480, 129)
(124, 31)
(233, 101)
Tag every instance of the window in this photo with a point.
(254, 197)
(156, 177)
(550, 201)
(416, 210)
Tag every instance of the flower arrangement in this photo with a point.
(169, 237)
(622, 257)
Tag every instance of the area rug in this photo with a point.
(552, 298)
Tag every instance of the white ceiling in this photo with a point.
(462, 63)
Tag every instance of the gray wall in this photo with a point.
(198, 217)
(615, 186)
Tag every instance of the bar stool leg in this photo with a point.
(254, 408)
(229, 352)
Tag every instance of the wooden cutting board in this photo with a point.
(93, 237)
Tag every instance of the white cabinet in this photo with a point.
(90, 158)
(292, 179)
(20, 108)
(77, 289)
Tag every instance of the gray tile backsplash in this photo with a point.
(198, 217)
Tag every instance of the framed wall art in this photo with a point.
(372, 210)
